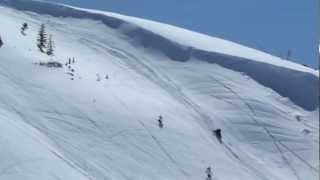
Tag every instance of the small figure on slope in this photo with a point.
(218, 135)
(1, 42)
(24, 28)
(209, 173)
(160, 122)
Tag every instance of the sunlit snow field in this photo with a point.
(56, 126)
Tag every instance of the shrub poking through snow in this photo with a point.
(51, 64)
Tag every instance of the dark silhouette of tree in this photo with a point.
(50, 46)
(42, 38)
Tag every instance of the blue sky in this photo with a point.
(274, 26)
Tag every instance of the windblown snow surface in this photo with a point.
(92, 128)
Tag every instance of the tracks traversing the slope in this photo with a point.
(158, 143)
(251, 109)
(297, 156)
(163, 81)
(163, 149)
(171, 88)
(70, 163)
(167, 84)
(244, 163)
(264, 127)
(22, 84)
(137, 65)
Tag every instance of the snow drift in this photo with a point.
(227, 54)
(54, 126)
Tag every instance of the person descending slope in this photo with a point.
(209, 173)
(1, 42)
(24, 28)
(218, 135)
(160, 121)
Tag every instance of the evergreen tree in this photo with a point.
(42, 38)
(50, 47)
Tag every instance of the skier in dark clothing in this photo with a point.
(23, 28)
(1, 42)
(160, 122)
(217, 133)
(209, 173)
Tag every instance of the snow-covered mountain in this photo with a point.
(55, 126)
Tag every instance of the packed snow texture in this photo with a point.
(84, 126)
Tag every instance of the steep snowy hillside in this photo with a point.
(76, 123)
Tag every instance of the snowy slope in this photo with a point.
(52, 127)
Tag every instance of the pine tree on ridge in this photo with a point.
(42, 38)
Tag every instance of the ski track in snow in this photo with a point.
(268, 132)
(90, 129)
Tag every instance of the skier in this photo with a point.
(209, 173)
(107, 77)
(1, 42)
(160, 122)
(217, 133)
(23, 28)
